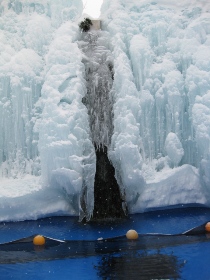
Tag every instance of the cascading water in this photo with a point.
(108, 201)
(99, 77)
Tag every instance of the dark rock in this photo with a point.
(107, 196)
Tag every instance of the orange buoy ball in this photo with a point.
(207, 227)
(132, 234)
(39, 240)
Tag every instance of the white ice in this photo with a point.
(161, 100)
(160, 146)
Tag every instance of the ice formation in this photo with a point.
(161, 124)
(44, 124)
(160, 143)
(173, 148)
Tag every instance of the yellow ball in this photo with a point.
(207, 227)
(132, 234)
(39, 240)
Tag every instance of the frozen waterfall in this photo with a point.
(155, 119)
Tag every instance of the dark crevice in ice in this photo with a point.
(107, 196)
(99, 76)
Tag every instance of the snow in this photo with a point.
(160, 146)
(173, 188)
(25, 199)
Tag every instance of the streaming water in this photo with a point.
(108, 201)
(99, 77)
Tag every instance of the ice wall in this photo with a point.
(66, 151)
(26, 30)
(161, 80)
(43, 122)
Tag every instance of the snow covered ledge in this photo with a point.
(180, 186)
